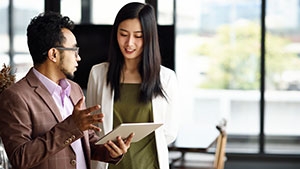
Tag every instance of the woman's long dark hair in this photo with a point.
(149, 67)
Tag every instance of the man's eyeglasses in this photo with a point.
(76, 49)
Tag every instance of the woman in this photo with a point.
(133, 87)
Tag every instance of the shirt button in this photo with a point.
(73, 162)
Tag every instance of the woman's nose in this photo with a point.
(130, 40)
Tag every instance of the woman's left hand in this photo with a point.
(120, 147)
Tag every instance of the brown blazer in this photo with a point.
(33, 132)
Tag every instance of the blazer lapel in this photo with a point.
(75, 96)
(41, 90)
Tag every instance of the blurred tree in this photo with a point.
(235, 58)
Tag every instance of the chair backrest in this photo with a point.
(221, 146)
(4, 162)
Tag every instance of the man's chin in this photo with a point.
(70, 76)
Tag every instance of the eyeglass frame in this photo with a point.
(76, 49)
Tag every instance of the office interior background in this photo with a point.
(235, 59)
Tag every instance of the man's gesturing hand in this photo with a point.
(84, 119)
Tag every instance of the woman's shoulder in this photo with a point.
(99, 70)
(101, 67)
(167, 75)
(166, 71)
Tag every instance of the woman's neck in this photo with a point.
(130, 74)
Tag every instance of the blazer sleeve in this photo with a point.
(99, 152)
(30, 132)
(91, 93)
(169, 108)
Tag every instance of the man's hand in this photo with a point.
(84, 119)
(120, 147)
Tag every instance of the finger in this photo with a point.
(79, 103)
(109, 148)
(113, 149)
(96, 118)
(95, 128)
(91, 109)
(129, 139)
(122, 147)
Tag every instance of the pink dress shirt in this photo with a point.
(60, 93)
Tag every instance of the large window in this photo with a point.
(218, 60)
(282, 94)
(15, 18)
(4, 57)
(23, 12)
(218, 56)
(105, 13)
(72, 9)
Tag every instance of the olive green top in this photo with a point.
(128, 109)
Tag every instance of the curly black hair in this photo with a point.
(44, 32)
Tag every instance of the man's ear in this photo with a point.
(52, 54)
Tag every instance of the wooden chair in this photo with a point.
(4, 162)
(215, 160)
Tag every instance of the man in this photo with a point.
(44, 123)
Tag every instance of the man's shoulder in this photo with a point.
(22, 84)
(19, 89)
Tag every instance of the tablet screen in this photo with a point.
(140, 131)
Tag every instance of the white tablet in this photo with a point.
(140, 131)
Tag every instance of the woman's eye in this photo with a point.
(138, 36)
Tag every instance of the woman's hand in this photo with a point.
(120, 147)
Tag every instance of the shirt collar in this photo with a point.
(65, 85)
(51, 86)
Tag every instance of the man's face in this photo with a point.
(69, 55)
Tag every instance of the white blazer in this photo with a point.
(164, 111)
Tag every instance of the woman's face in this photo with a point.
(130, 38)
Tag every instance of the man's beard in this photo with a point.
(65, 72)
(68, 74)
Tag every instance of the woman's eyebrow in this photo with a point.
(139, 31)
